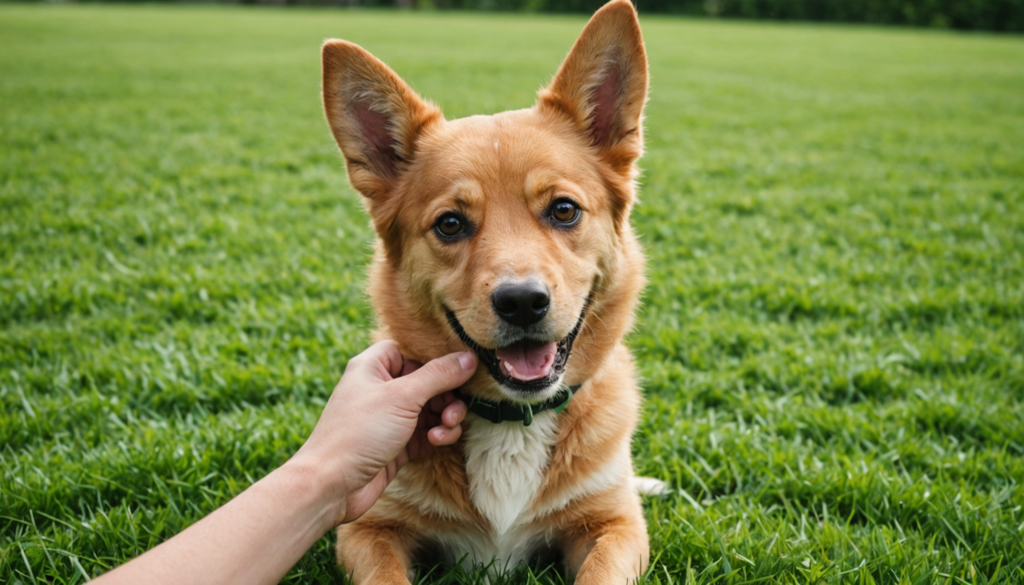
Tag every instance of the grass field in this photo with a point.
(831, 342)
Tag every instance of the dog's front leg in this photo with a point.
(376, 551)
(611, 550)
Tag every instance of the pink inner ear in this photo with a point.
(605, 98)
(374, 128)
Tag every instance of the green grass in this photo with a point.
(831, 342)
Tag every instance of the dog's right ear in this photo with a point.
(374, 116)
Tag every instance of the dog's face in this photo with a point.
(505, 227)
(509, 241)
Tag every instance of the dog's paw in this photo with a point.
(648, 486)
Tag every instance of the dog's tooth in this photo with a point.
(508, 366)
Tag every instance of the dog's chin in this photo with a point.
(529, 395)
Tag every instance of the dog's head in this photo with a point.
(510, 231)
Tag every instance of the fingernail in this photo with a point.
(453, 418)
(466, 360)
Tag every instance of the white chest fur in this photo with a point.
(506, 464)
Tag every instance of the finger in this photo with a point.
(437, 404)
(419, 447)
(454, 413)
(423, 426)
(441, 436)
(408, 367)
(436, 376)
(432, 420)
(382, 359)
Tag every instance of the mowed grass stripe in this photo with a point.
(830, 342)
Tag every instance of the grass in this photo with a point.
(831, 342)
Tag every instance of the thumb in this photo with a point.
(437, 376)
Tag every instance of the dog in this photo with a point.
(508, 235)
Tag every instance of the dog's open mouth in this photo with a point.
(527, 365)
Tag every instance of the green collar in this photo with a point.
(497, 412)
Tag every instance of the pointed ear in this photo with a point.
(374, 116)
(602, 85)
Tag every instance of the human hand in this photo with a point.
(374, 422)
(383, 413)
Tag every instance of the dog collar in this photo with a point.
(498, 412)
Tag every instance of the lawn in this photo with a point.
(831, 342)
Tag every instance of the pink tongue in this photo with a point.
(530, 360)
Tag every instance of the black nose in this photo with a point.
(521, 303)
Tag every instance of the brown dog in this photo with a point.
(509, 235)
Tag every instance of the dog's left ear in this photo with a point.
(602, 85)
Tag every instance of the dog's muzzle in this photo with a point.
(489, 357)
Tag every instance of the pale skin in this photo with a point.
(385, 412)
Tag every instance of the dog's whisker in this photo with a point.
(600, 320)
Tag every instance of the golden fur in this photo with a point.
(501, 172)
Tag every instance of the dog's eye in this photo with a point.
(565, 212)
(450, 225)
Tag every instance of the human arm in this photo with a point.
(374, 422)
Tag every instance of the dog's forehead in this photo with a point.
(517, 152)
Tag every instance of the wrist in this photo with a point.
(322, 483)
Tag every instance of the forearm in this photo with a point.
(254, 538)
(338, 474)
